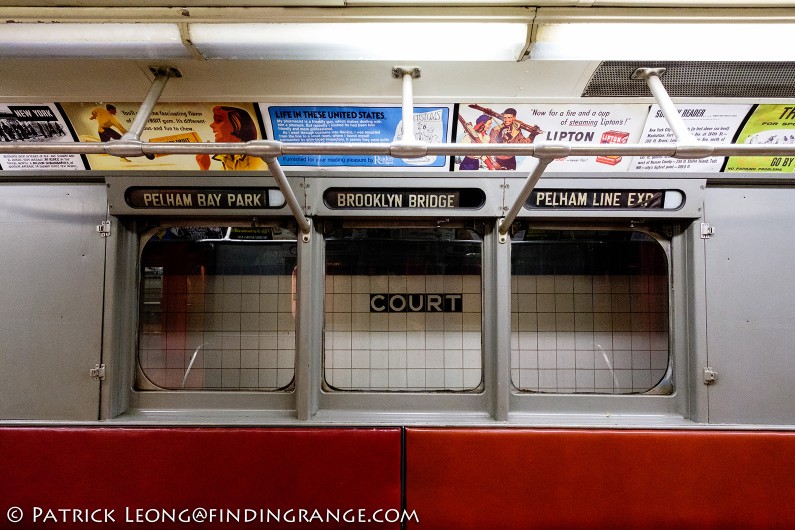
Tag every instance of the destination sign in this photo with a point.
(388, 199)
(204, 198)
(597, 199)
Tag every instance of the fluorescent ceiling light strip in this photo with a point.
(93, 40)
(428, 41)
(671, 41)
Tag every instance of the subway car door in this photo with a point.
(52, 283)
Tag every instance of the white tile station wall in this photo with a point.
(368, 347)
(229, 332)
(592, 334)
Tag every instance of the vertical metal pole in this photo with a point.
(407, 74)
(497, 322)
(310, 288)
(408, 108)
(162, 76)
(529, 184)
(675, 122)
(292, 201)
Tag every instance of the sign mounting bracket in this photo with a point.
(407, 146)
(686, 144)
(527, 188)
(292, 201)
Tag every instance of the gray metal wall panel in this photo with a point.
(750, 304)
(52, 264)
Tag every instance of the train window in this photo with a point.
(589, 312)
(403, 310)
(217, 309)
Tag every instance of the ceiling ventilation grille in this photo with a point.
(725, 79)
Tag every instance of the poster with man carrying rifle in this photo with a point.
(497, 123)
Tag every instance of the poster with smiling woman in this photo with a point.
(169, 122)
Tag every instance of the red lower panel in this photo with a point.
(142, 478)
(582, 479)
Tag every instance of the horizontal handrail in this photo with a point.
(272, 148)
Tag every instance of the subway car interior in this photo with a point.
(410, 264)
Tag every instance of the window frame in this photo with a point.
(670, 405)
(308, 403)
(468, 407)
(142, 400)
(663, 385)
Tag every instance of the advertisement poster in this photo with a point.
(356, 124)
(707, 123)
(169, 122)
(767, 125)
(30, 122)
(556, 123)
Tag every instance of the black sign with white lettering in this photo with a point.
(415, 303)
(595, 199)
(203, 198)
(386, 199)
(32, 113)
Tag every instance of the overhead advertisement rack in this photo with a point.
(130, 144)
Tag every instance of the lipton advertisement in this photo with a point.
(548, 123)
